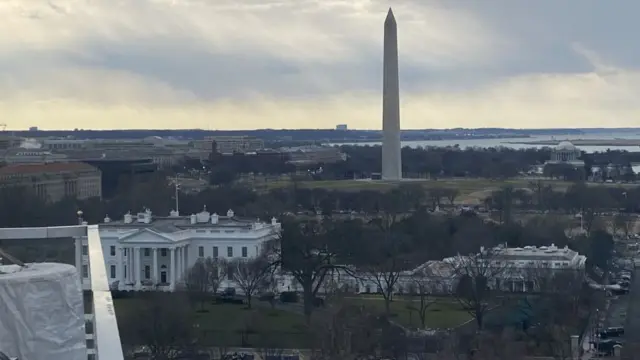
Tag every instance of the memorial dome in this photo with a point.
(566, 145)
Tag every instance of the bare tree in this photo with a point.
(476, 275)
(388, 251)
(161, 322)
(305, 249)
(204, 278)
(451, 194)
(422, 286)
(251, 275)
(501, 346)
(624, 222)
(344, 331)
(562, 304)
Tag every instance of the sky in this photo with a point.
(247, 64)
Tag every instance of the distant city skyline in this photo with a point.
(246, 64)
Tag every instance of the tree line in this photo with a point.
(432, 162)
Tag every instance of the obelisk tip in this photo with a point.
(390, 16)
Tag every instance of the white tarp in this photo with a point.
(42, 312)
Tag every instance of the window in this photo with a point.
(244, 251)
(147, 252)
(112, 250)
(147, 272)
(85, 271)
(163, 252)
(215, 251)
(85, 250)
(112, 268)
(201, 251)
(125, 272)
(229, 251)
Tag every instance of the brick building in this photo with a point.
(54, 181)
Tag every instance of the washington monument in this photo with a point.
(391, 159)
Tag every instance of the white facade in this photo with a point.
(566, 153)
(146, 252)
(519, 269)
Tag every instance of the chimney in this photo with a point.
(194, 219)
(214, 218)
(230, 213)
(107, 219)
(128, 218)
(274, 221)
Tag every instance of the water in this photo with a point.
(486, 143)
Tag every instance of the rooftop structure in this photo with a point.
(103, 338)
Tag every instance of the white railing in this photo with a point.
(105, 336)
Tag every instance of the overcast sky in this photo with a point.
(244, 64)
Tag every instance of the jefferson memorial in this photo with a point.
(565, 153)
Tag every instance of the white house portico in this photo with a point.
(146, 252)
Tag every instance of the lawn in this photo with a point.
(443, 313)
(236, 326)
(471, 190)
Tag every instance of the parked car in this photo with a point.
(611, 332)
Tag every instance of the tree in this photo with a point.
(343, 331)
(307, 250)
(387, 252)
(451, 194)
(251, 275)
(421, 289)
(203, 279)
(476, 274)
(624, 222)
(561, 308)
(161, 322)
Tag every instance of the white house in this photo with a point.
(518, 269)
(144, 251)
(514, 269)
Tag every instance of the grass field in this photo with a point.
(234, 325)
(471, 190)
(444, 313)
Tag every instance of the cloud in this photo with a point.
(311, 63)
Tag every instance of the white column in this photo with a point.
(155, 265)
(79, 258)
(127, 261)
(186, 258)
(136, 260)
(119, 266)
(180, 264)
(172, 269)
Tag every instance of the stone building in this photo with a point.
(54, 181)
(145, 251)
(566, 154)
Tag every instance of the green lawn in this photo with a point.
(443, 313)
(236, 326)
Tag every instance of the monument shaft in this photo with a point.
(391, 158)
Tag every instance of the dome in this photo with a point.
(565, 145)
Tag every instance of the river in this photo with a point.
(505, 142)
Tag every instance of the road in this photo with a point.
(632, 327)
